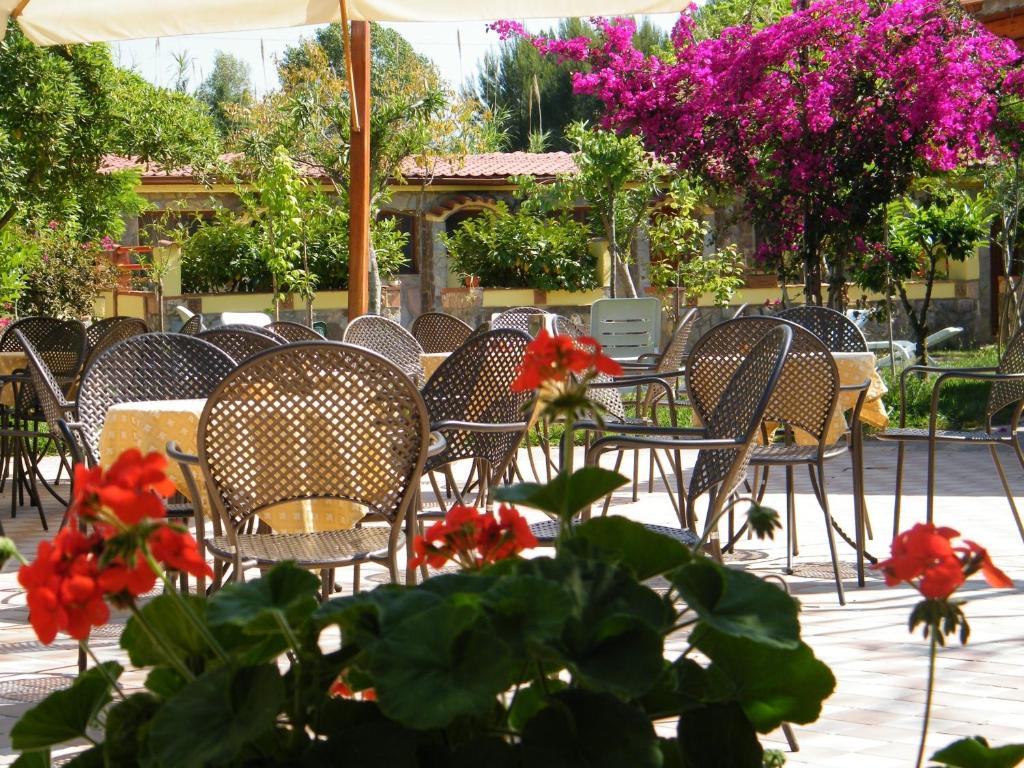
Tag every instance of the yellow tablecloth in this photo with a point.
(431, 361)
(9, 363)
(854, 368)
(149, 426)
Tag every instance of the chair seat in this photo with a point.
(326, 549)
(946, 435)
(546, 532)
(782, 453)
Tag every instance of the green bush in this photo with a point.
(507, 250)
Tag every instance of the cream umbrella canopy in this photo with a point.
(50, 22)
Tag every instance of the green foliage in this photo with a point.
(62, 110)
(537, 93)
(221, 256)
(227, 84)
(712, 18)
(555, 660)
(619, 179)
(523, 250)
(62, 275)
(976, 753)
(678, 235)
(17, 252)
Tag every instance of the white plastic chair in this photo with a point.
(627, 328)
(259, 319)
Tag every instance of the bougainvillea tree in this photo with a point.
(816, 120)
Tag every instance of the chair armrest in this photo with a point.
(640, 429)
(856, 387)
(616, 442)
(175, 453)
(478, 426)
(632, 381)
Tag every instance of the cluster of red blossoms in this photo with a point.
(73, 576)
(554, 358)
(925, 557)
(473, 538)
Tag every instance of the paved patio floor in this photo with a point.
(873, 719)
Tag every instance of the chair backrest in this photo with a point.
(475, 384)
(807, 390)
(1004, 393)
(47, 389)
(609, 398)
(259, 319)
(61, 343)
(440, 332)
(737, 413)
(107, 332)
(673, 356)
(627, 328)
(313, 420)
(517, 318)
(290, 331)
(193, 325)
(242, 341)
(389, 339)
(151, 366)
(839, 332)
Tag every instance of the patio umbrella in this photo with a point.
(50, 22)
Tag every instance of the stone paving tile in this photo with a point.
(873, 718)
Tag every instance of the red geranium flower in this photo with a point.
(63, 591)
(472, 537)
(130, 488)
(980, 559)
(510, 535)
(554, 358)
(118, 579)
(178, 551)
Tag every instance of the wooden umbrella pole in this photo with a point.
(349, 78)
(359, 174)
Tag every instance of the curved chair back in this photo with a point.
(390, 340)
(1004, 393)
(242, 341)
(61, 343)
(738, 411)
(51, 397)
(332, 421)
(609, 398)
(807, 390)
(193, 326)
(440, 332)
(673, 356)
(290, 331)
(517, 318)
(627, 328)
(839, 332)
(107, 332)
(474, 384)
(151, 366)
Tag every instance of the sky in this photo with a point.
(457, 49)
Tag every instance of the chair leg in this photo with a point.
(931, 482)
(1007, 490)
(636, 475)
(790, 522)
(787, 730)
(900, 455)
(831, 536)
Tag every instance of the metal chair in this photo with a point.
(193, 326)
(364, 434)
(105, 333)
(518, 318)
(290, 331)
(440, 332)
(471, 402)
(1007, 391)
(151, 366)
(726, 440)
(242, 341)
(805, 399)
(390, 340)
(627, 328)
(839, 332)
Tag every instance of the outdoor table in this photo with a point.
(9, 363)
(431, 361)
(854, 369)
(151, 425)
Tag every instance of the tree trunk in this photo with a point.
(374, 281)
(618, 265)
(160, 306)
(918, 323)
(811, 262)
(837, 298)
(277, 298)
(8, 215)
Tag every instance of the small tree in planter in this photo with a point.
(678, 238)
(944, 224)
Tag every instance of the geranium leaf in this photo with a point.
(125, 735)
(598, 730)
(976, 753)
(719, 735)
(738, 603)
(441, 664)
(644, 552)
(284, 591)
(217, 715)
(167, 620)
(359, 731)
(67, 714)
(567, 494)
(772, 684)
(528, 609)
(37, 759)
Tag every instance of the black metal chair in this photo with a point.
(1006, 393)
(193, 325)
(242, 341)
(518, 318)
(105, 333)
(290, 331)
(440, 332)
(836, 330)
(390, 340)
